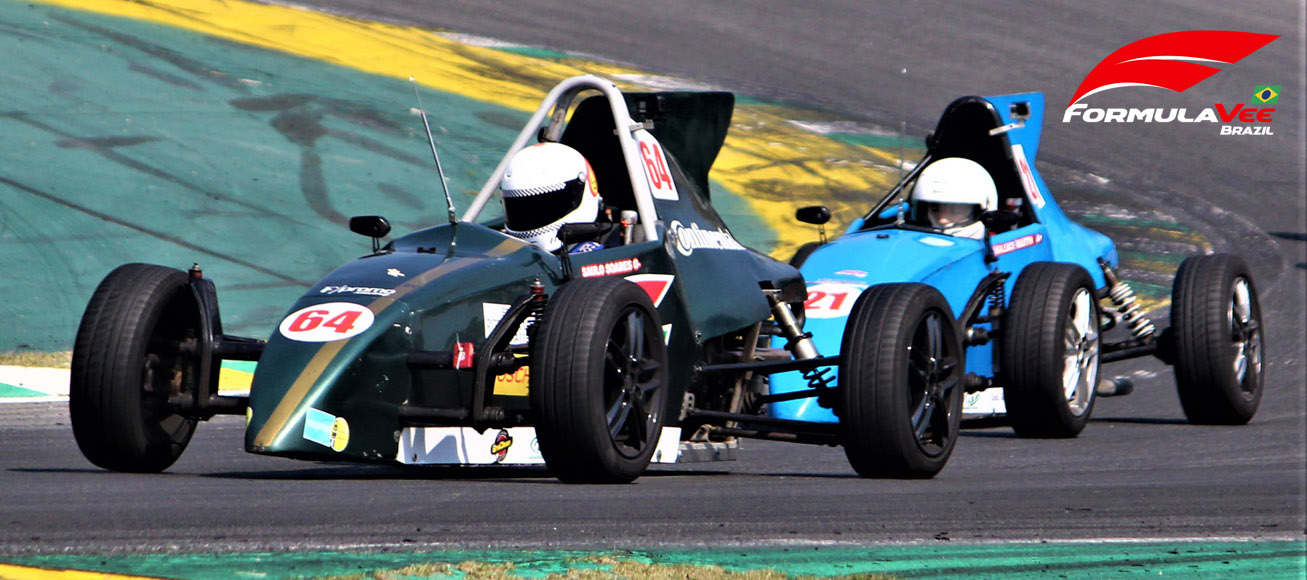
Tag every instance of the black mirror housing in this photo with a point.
(999, 221)
(813, 214)
(372, 226)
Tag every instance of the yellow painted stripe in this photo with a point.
(12, 572)
(775, 166)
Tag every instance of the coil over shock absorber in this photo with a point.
(1127, 307)
(799, 343)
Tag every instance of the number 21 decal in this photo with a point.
(326, 322)
(831, 300)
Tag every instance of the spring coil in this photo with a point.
(1126, 304)
(998, 296)
(818, 378)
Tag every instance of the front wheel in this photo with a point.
(1049, 351)
(599, 381)
(900, 382)
(1216, 322)
(127, 361)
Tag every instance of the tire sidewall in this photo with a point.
(577, 324)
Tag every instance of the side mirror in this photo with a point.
(372, 226)
(813, 214)
(999, 221)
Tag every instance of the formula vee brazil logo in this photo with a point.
(1172, 61)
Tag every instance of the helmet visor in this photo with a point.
(529, 210)
(951, 214)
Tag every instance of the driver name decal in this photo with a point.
(614, 268)
(326, 322)
(690, 238)
(1020, 243)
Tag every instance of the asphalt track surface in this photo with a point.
(1137, 472)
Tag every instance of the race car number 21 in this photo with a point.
(326, 322)
(831, 300)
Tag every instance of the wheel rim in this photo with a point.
(632, 384)
(1246, 334)
(1080, 359)
(932, 379)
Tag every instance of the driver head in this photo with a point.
(952, 193)
(545, 186)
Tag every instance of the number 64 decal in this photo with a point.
(326, 322)
(656, 171)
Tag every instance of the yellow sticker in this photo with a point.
(339, 434)
(514, 384)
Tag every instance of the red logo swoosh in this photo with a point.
(1164, 60)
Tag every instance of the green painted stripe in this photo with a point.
(16, 391)
(940, 560)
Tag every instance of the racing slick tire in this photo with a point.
(1216, 325)
(599, 381)
(1049, 351)
(901, 382)
(126, 363)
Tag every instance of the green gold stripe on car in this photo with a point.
(292, 403)
(768, 160)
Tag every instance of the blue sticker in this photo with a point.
(317, 426)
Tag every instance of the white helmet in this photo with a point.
(952, 193)
(545, 186)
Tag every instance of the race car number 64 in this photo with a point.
(326, 322)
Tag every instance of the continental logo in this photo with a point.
(691, 238)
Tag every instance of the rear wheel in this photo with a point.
(127, 361)
(900, 382)
(1216, 324)
(1049, 351)
(599, 381)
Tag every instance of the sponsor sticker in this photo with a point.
(326, 322)
(500, 447)
(614, 268)
(655, 285)
(359, 290)
(326, 429)
(394, 273)
(690, 238)
(1020, 243)
(831, 299)
(492, 313)
(514, 384)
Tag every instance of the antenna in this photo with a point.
(903, 157)
(449, 201)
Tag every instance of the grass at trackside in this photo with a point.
(29, 358)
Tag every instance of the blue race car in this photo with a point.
(1011, 311)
